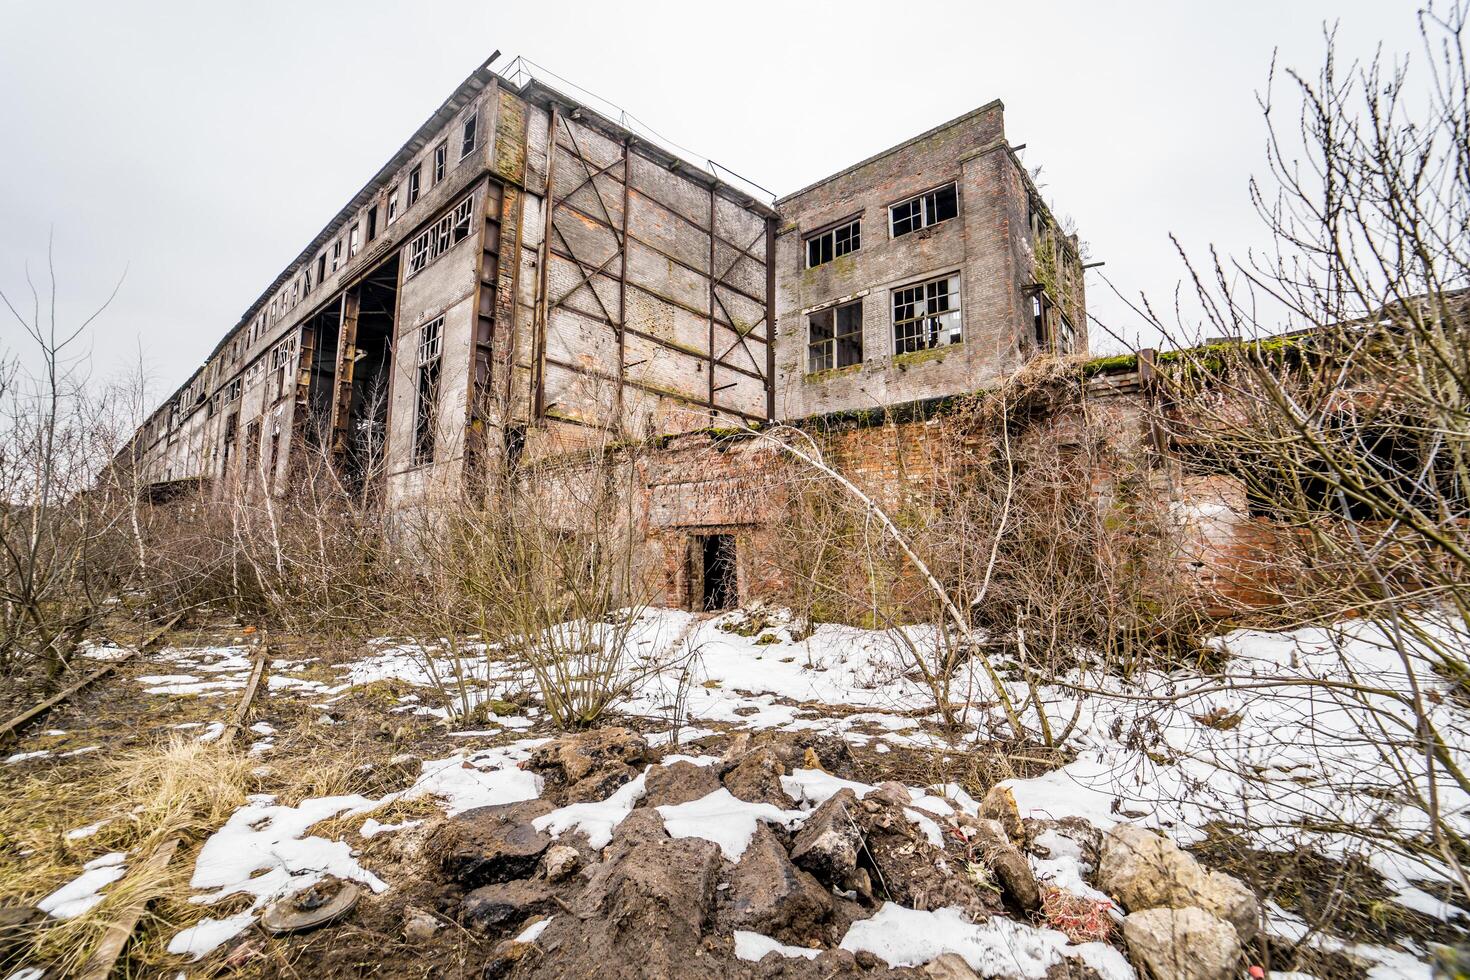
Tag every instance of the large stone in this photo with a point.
(648, 901)
(828, 842)
(756, 778)
(493, 843)
(561, 861)
(1182, 944)
(572, 758)
(678, 783)
(1143, 870)
(949, 966)
(500, 907)
(770, 895)
(601, 783)
(1006, 861)
(1000, 805)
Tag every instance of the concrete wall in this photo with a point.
(989, 244)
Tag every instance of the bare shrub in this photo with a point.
(1350, 433)
(58, 536)
(1021, 522)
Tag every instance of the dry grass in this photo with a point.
(182, 788)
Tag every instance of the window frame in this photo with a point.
(441, 161)
(855, 226)
(451, 228)
(954, 310)
(415, 184)
(429, 355)
(925, 218)
(831, 346)
(469, 133)
(392, 205)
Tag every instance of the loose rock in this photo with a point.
(561, 861)
(572, 758)
(1143, 870)
(756, 778)
(828, 842)
(418, 925)
(680, 782)
(493, 843)
(949, 966)
(771, 896)
(1182, 944)
(502, 906)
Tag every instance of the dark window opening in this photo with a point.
(372, 222)
(321, 268)
(835, 337)
(427, 398)
(833, 244)
(721, 590)
(415, 177)
(515, 445)
(923, 211)
(252, 450)
(441, 161)
(467, 137)
(1039, 306)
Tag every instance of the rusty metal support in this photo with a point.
(711, 305)
(623, 282)
(548, 204)
(346, 362)
(770, 319)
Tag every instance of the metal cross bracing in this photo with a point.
(596, 211)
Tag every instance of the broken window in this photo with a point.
(835, 337)
(1067, 342)
(354, 241)
(372, 222)
(467, 136)
(413, 185)
(426, 400)
(321, 268)
(834, 243)
(441, 161)
(306, 283)
(1039, 306)
(463, 211)
(923, 211)
(336, 254)
(231, 421)
(926, 315)
(451, 229)
(393, 204)
(252, 448)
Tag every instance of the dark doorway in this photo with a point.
(720, 587)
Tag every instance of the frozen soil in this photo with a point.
(469, 726)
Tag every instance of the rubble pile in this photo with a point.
(760, 863)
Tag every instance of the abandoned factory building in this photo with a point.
(528, 276)
(526, 272)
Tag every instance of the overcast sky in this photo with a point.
(201, 145)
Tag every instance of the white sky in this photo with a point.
(200, 145)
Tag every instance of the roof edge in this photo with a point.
(957, 120)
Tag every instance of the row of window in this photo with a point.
(925, 315)
(440, 237)
(920, 211)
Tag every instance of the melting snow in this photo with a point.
(83, 893)
(722, 818)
